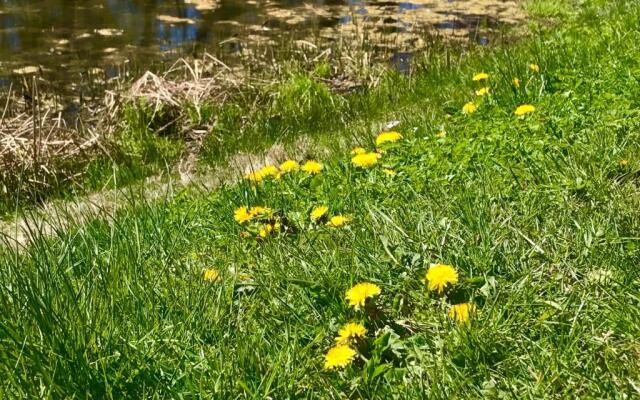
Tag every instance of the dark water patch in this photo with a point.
(65, 42)
(450, 25)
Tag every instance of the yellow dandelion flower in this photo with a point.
(462, 312)
(482, 91)
(441, 134)
(389, 172)
(254, 176)
(365, 160)
(210, 275)
(388, 137)
(318, 212)
(242, 215)
(469, 108)
(481, 76)
(516, 82)
(359, 294)
(350, 331)
(623, 163)
(339, 357)
(289, 166)
(312, 167)
(269, 170)
(338, 221)
(439, 276)
(265, 230)
(534, 67)
(524, 109)
(358, 150)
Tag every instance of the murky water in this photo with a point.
(64, 40)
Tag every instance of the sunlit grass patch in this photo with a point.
(487, 255)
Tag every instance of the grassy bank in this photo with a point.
(536, 214)
(276, 96)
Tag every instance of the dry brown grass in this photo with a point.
(207, 79)
(42, 145)
(39, 144)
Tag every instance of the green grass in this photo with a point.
(536, 213)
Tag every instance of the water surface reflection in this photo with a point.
(65, 39)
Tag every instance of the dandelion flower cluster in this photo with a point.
(318, 212)
(269, 228)
(481, 76)
(469, 108)
(524, 109)
(439, 276)
(210, 275)
(350, 331)
(389, 172)
(244, 214)
(241, 215)
(365, 160)
(262, 173)
(358, 294)
(265, 230)
(534, 67)
(338, 220)
(462, 312)
(358, 150)
(516, 82)
(482, 91)
(388, 137)
(269, 170)
(289, 166)
(312, 167)
(339, 357)
(254, 177)
(268, 223)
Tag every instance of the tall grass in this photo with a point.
(538, 215)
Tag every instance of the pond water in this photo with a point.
(64, 40)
